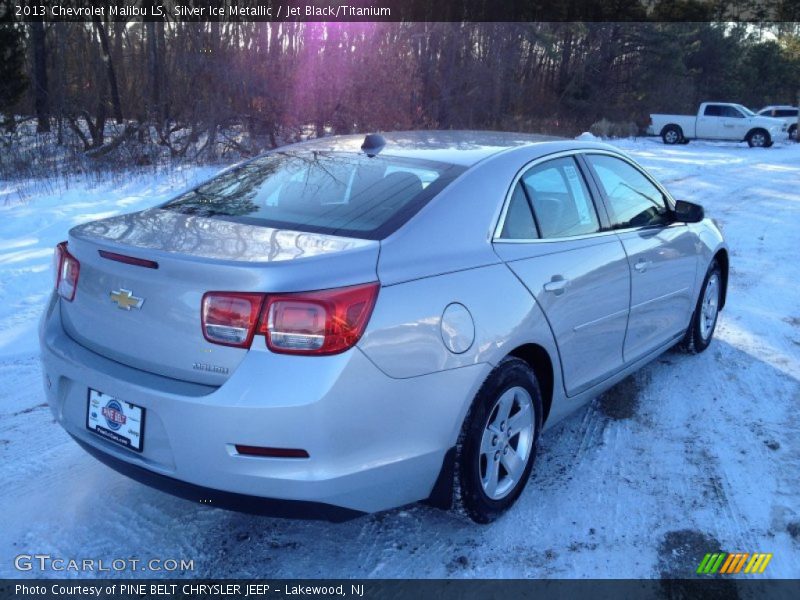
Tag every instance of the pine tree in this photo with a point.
(13, 81)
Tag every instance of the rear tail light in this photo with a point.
(67, 270)
(322, 322)
(311, 323)
(230, 318)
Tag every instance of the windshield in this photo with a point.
(323, 192)
(745, 110)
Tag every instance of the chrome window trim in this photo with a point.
(496, 238)
(498, 229)
(555, 240)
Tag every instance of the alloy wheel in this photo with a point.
(506, 443)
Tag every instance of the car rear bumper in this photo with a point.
(374, 442)
(292, 509)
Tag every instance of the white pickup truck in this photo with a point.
(719, 121)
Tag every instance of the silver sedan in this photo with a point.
(353, 324)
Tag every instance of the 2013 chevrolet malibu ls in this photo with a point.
(339, 327)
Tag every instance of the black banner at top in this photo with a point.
(401, 10)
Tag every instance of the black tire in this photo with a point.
(694, 341)
(793, 133)
(754, 139)
(470, 497)
(672, 134)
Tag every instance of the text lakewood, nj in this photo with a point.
(201, 12)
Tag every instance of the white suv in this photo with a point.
(785, 113)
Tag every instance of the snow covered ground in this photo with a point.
(691, 455)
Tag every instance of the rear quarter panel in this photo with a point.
(686, 122)
(405, 338)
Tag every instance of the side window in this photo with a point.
(560, 199)
(519, 224)
(634, 200)
(730, 111)
(713, 110)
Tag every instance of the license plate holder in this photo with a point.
(115, 420)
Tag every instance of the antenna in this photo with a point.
(373, 143)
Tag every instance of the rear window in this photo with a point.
(323, 192)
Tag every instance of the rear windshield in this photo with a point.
(323, 192)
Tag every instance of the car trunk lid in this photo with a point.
(148, 315)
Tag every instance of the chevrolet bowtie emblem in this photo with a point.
(126, 300)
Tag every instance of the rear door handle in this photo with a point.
(557, 285)
(641, 265)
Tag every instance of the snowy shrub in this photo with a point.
(614, 129)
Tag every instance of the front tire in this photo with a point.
(498, 441)
(706, 313)
(672, 134)
(758, 138)
(793, 133)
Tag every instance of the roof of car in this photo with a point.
(778, 106)
(451, 146)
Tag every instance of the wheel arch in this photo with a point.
(537, 357)
(754, 130)
(671, 126)
(539, 360)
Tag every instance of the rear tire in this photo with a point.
(758, 138)
(498, 441)
(672, 134)
(706, 313)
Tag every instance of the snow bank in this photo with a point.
(588, 137)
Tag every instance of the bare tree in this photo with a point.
(40, 88)
(109, 63)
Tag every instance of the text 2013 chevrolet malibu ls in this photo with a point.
(336, 328)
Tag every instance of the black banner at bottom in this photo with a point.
(385, 589)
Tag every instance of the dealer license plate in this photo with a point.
(115, 420)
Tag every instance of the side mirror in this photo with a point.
(688, 212)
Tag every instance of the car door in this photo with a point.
(661, 253)
(553, 238)
(734, 123)
(709, 124)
